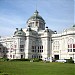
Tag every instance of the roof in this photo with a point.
(19, 33)
(71, 29)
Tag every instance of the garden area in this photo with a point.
(36, 68)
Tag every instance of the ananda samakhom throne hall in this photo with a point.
(38, 41)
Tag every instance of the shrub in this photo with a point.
(4, 59)
(69, 60)
(25, 59)
(36, 60)
(19, 59)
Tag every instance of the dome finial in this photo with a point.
(36, 12)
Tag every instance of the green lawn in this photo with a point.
(36, 68)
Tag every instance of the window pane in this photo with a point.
(73, 50)
(21, 50)
(70, 46)
(38, 47)
(35, 47)
(21, 46)
(14, 46)
(42, 47)
(69, 50)
(32, 47)
(73, 45)
(11, 56)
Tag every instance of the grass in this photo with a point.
(36, 68)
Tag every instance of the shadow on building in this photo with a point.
(3, 51)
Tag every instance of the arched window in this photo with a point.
(71, 45)
(70, 41)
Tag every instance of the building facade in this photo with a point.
(38, 41)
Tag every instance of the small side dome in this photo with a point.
(74, 25)
(46, 30)
(19, 32)
(72, 29)
(29, 29)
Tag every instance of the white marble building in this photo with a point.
(37, 41)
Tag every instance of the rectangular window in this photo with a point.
(42, 47)
(3, 48)
(32, 47)
(32, 50)
(69, 50)
(21, 46)
(35, 47)
(38, 47)
(73, 50)
(11, 56)
(38, 50)
(73, 45)
(0, 48)
(21, 50)
(14, 46)
(42, 50)
(41, 56)
(70, 46)
(36, 23)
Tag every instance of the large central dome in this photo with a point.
(36, 21)
(36, 16)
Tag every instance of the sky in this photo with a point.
(58, 14)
